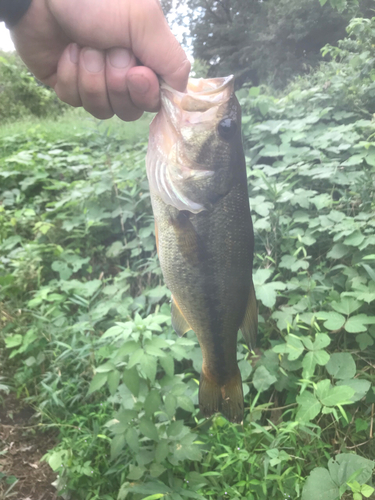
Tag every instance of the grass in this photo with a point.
(76, 121)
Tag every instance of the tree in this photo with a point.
(263, 41)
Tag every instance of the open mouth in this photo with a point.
(201, 94)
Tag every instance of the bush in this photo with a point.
(21, 94)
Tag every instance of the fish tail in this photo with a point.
(227, 398)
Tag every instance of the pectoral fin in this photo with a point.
(187, 239)
(157, 237)
(249, 327)
(179, 323)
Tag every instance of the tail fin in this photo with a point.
(227, 399)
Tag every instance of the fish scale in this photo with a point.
(206, 255)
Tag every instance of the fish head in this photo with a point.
(195, 144)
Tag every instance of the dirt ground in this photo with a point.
(22, 445)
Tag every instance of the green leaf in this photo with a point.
(320, 486)
(334, 321)
(349, 465)
(105, 368)
(185, 403)
(267, 293)
(176, 428)
(245, 368)
(13, 340)
(132, 439)
(293, 347)
(167, 364)
(354, 239)
(355, 159)
(308, 407)
(131, 380)
(322, 340)
(162, 450)
(364, 340)
(263, 107)
(57, 459)
(113, 381)
(321, 357)
(360, 386)
(136, 358)
(338, 251)
(63, 269)
(333, 396)
(149, 366)
(311, 359)
(156, 496)
(361, 425)
(115, 249)
(117, 445)
(356, 324)
(97, 382)
(346, 306)
(254, 91)
(135, 472)
(367, 490)
(270, 150)
(369, 270)
(308, 364)
(262, 379)
(156, 469)
(152, 402)
(341, 365)
(148, 429)
(170, 404)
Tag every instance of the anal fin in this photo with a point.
(179, 323)
(249, 327)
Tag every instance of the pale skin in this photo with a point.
(104, 55)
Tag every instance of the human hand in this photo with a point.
(88, 51)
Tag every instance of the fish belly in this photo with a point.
(206, 260)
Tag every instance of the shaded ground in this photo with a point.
(22, 444)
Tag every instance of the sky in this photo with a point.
(5, 41)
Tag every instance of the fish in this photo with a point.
(204, 235)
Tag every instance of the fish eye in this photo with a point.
(227, 128)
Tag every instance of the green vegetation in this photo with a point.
(268, 42)
(85, 318)
(20, 94)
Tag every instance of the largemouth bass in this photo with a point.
(197, 176)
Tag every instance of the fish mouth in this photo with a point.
(203, 86)
(201, 94)
(183, 116)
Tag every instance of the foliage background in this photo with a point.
(20, 93)
(268, 42)
(85, 316)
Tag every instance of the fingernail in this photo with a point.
(138, 83)
(119, 58)
(74, 53)
(93, 60)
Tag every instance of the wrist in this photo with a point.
(11, 11)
